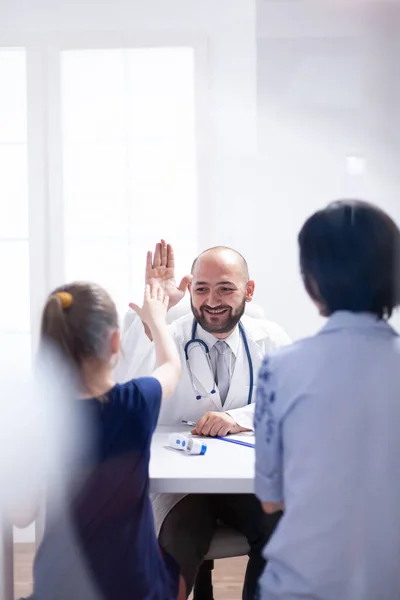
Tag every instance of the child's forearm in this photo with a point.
(168, 363)
(164, 345)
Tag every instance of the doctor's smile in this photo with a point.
(215, 314)
(214, 311)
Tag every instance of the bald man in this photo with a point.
(215, 393)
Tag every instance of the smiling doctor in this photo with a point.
(221, 350)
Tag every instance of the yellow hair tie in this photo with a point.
(65, 299)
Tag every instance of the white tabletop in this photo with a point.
(224, 469)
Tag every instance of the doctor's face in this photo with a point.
(219, 292)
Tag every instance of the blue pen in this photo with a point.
(239, 442)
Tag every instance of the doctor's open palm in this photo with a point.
(160, 269)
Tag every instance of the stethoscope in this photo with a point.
(206, 350)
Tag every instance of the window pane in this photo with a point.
(164, 187)
(14, 297)
(14, 213)
(13, 159)
(161, 84)
(105, 263)
(93, 95)
(95, 189)
(12, 96)
(129, 155)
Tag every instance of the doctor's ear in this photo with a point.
(250, 287)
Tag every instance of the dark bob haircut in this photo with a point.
(349, 258)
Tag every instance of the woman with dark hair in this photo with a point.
(348, 259)
(328, 420)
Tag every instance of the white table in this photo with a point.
(224, 469)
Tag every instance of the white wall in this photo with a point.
(327, 89)
(309, 18)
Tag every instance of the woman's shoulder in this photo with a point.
(294, 351)
(289, 364)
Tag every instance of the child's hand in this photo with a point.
(155, 305)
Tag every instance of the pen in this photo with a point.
(190, 423)
(239, 442)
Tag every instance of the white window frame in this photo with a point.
(45, 188)
(44, 142)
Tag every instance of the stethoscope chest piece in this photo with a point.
(206, 351)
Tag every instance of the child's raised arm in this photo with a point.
(153, 314)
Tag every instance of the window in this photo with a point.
(129, 176)
(112, 165)
(14, 215)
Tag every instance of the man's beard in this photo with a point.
(226, 325)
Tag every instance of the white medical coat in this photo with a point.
(138, 360)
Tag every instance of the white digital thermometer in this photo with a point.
(187, 444)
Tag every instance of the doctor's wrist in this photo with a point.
(147, 331)
(173, 302)
(236, 428)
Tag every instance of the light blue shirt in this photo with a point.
(327, 427)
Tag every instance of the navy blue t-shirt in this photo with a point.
(109, 534)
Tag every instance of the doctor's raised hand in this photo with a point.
(160, 269)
